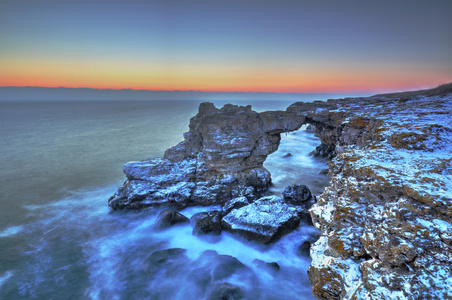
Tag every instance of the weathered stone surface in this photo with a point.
(220, 159)
(154, 182)
(206, 223)
(264, 220)
(168, 218)
(234, 204)
(222, 156)
(297, 194)
(385, 216)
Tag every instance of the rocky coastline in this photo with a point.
(385, 217)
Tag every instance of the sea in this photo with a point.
(60, 161)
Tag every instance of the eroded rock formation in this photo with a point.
(385, 217)
(220, 159)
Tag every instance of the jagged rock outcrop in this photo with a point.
(386, 217)
(221, 158)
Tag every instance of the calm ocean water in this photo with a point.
(60, 162)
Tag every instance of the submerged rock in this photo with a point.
(165, 261)
(272, 266)
(224, 275)
(206, 223)
(168, 218)
(226, 291)
(264, 220)
(163, 256)
(304, 249)
(323, 172)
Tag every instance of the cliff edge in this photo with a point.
(386, 216)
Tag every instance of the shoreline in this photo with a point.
(375, 211)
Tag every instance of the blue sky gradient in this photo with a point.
(277, 46)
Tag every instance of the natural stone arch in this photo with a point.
(221, 157)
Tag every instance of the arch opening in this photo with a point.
(293, 162)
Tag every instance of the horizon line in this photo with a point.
(197, 91)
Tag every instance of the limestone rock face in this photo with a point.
(386, 217)
(156, 181)
(264, 220)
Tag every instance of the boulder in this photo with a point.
(271, 266)
(226, 291)
(211, 276)
(309, 128)
(297, 194)
(324, 151)
(304, 249)
(168, 218)
(323, 172)
(164, 262)
(224, 275)
(263, 221)
(206, 223)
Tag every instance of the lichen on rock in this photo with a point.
(264, 220)
(385, 217)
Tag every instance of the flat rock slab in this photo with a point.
(262, 221)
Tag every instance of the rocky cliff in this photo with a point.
(385, 217)
(220, 159)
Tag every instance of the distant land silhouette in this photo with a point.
(66, 94)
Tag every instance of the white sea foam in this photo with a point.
(4, 278)
(13, 230)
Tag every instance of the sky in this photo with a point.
(300, 46)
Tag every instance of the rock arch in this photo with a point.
(221, 157)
